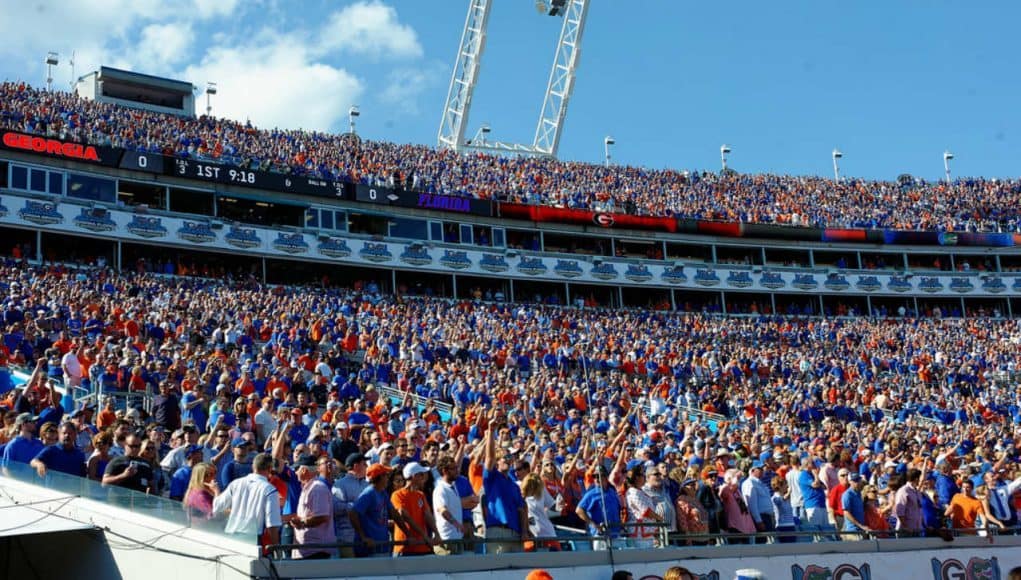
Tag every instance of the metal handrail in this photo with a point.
(675, 540)
(146, 396)
(441, 406)
(464, 542)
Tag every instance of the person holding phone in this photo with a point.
(130, 470)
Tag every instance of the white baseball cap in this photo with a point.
(414, 468)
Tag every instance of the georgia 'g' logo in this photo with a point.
(841, 572)
(711, 575)
(975, 569)
(603, 219)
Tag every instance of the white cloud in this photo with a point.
(161, 46)
(405, 85)
(273, 81)
(89, 27)
(214, 8)
(369, 28)
(282, 76)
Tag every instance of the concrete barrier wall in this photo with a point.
(125, 544)
(915, 559)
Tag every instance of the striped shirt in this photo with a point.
(782, 511)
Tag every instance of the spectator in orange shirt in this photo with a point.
(410, 504)
(964, 508)
(107, 416)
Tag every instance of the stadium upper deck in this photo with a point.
(964, 205)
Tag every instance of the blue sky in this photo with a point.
(892, 84)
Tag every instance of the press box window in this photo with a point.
(408, 228)
(340, 221)
(482, 235)
(92, 188)
(311, 218)
(38, 180)
(56, 186)
(326, 219)
(19, 177)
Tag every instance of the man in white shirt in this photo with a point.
(253, 504)
(72, 367)
(447, 508)
(797, 501)
(323, 368)
(265, 423)
(756, 497)
(1001, 499)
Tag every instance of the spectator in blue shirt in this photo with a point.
(506, 511)
(599, 507)
(854, 506)
(24, 447)
(813, 494)
(237, 466)
(64, 457)
(182, 477)
(370, 515)
(946, 486)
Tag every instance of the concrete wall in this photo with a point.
(121, 543)
(962, 559)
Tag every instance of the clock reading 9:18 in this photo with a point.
(242, 176)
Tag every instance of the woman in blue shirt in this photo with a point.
(783, 513)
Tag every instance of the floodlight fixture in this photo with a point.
(352, 114)
(210, 91)
(52, 60)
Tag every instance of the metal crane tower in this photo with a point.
(558, 91)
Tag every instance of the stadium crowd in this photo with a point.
(624, 424)
(964, 205)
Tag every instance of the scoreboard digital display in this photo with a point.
(229, 174)
(421, 200)
(140, 161)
